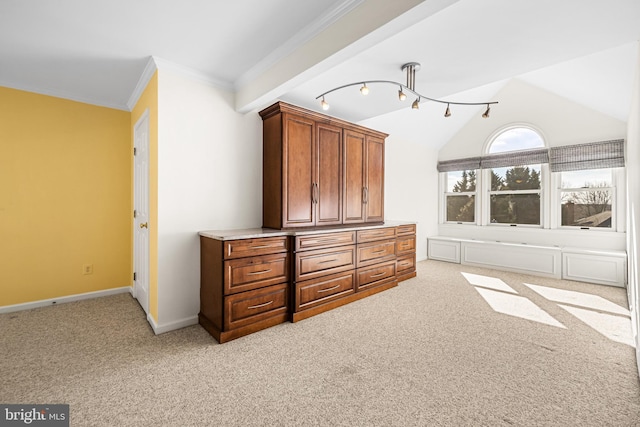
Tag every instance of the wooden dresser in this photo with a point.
(243, 285)
(254, 279)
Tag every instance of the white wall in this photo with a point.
(209, 177)
(633, 203)
(561, 122)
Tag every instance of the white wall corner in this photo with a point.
(171, 326)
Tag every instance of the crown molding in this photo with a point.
(143, 81)
(63, 95)
(190, 73)
(300, 38)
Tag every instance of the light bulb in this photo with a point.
(364, 89)
(324, 104)
(416, 104)
(401, 95)
(486, 113)
(447, 113)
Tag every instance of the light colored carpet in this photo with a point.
(431, 352)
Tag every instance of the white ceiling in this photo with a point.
(584, 50)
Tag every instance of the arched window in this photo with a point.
(515, 138)
(514, 171)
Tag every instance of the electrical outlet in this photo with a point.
(87, 269)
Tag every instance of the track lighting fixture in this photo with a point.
(324, 104)
(410, 68)
(401, 95)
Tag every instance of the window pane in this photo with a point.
(586, 208)
(516, 178)
(515, 209)
(587, 178)
(461, 208)
(516, 139)
(461, 181)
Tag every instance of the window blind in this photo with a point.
(470, 163)
(595, 155)
(515, 158)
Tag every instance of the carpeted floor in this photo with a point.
(431, 352)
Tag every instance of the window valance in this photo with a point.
(459, 164)
(594, 155)
(515, 158)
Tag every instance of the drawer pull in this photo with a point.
(260, 305)
(329, 260)
(329, 289)
(262, 247)
(380, 251)
(377, 275)
(258, 272)
(402, 264)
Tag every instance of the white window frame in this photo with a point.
(617, 203)
(444, 186)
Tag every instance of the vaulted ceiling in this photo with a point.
(96, 52)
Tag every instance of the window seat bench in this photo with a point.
(606, 267)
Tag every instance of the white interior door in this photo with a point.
(141, 211)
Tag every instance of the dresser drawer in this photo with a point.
(320, 262)
(245, 274)
(376, 234)
(248, 307)
(323, 289)
(376, 252)
(406, 263)
(406, 229)
(406, 245)
(252, 247)
(377, 274)
(328, 240)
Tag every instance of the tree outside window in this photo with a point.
(460, 196)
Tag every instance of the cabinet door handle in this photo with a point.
(328, 260)
(377, 275)
(329, 289)
(260, 305)
(365, 195)
(258, 272)
(317, 193)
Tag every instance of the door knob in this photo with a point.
(144, 225)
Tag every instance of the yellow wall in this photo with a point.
(65, 197)
(149, 100)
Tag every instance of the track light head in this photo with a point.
(487, 111)
(447, 112)
(401, 95)
(364, 89)
(324, 104)
(416, 104)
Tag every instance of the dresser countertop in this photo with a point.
(255, 233)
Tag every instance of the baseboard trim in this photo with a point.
(171, 326)
(66, 299)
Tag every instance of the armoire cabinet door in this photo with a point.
(298, 179)
(354, 174)
(328, 165)
(374, 193)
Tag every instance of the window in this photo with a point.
(515, 176)
(587, 198)
(460, 196)
(515, 195)
(518, 181)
